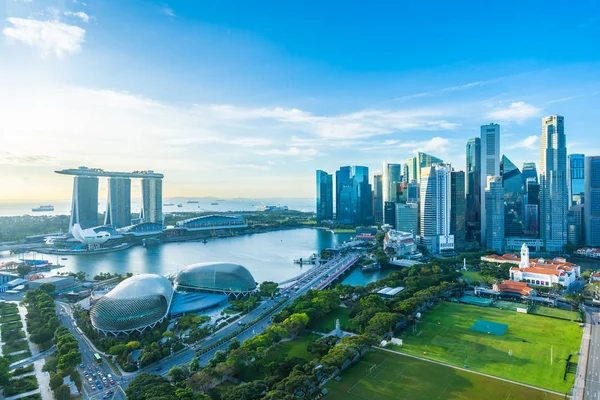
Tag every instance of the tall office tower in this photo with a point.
(343, 195)
(494, 202)
(473, 189)
(378, 198)
(84, 206)
(152, 200)
(389, 213)
(531, 217)
(513, 198)
(592, 201)
(575, 173)
(413, 192)
(401, 192)
(529, 171)
(407, 218)
(324, 196)
(405, 172)
(435, 208)
(490, 166)
(418, 163)
(554, 196)
(457, 210)
(118, 207)
(575, 233)
(362, 197)
(392, 175)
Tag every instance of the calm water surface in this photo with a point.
(268, 256)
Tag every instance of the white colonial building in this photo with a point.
(403, 243)
(538, 271)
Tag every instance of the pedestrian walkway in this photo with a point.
(18, 396)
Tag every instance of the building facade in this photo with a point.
(576, 174)
(84, 206)
(575, 225)
(513, 198)
(490, 166)
(391, 176)
(418, 163)
(118, 207)
(554, 196)
(378, 198)
(458, 210)
(152, 201)
(324, 196)
(407, 218)
(435, 208)
(592, 201)
(494, 213)
(343, 195)
(473, 189)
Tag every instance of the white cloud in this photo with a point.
(79, 14)
(519, 112)
(168, 11)
(50, 37)
(530, 143)
(291, 151)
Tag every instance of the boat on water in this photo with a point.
(179, 205)
(193, 202)
(168, 204)
(63, 258)
(43, 208)
(214, 204)
(262, 207)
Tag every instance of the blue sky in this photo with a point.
(247, 99)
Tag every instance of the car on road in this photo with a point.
(157, 368)
(81, 366)
(107, 396)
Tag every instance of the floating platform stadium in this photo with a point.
(143, 301)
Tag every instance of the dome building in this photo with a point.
(135, 304)
(216, 277)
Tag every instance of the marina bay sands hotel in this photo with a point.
(84, 208)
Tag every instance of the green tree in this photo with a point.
(23, 270)
(233, 345)
(219, 357)
(381, 323)
(48, 287)
(178, 374)
(194, 364)
(55, 381)
(267, 289)
(62, 393)
(295, 323)
(150, 387)
(4, 371)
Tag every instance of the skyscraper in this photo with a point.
(152, 200)
(418, 163)
(389, 213)
(529, 171)
(118, 207)
(494, 202)
(435, 208)
(490, 166)
(473, 189)
(575, 172)
(575, 233)
(343, 195)
(324, 196)
(407, 218)
(378, 198)
(531, 218)
(513, 198)
(592, 201)
(554, 196)
(362, 196)
(392, 175)
(457, 213)
(84, 206)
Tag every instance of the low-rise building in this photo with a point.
(512, 287)
(595, 277)
(388, 292)
(61, 283)
(402, 243)
(588, 252)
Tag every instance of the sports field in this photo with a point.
(383, 375)
(533, 349)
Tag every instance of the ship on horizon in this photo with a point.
(43, 208)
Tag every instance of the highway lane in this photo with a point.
(592, 378)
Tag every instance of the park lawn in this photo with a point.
(327, 323)
(35, 396)
(556, 312)
(18, 357)
(522, 354)
(20, 385)
(22, 370)
(14, 346)
(383, 375)
(9, 310)
(344, 230)
(282, 350)
(472, 276)
(9, 318)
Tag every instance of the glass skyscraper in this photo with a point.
(592, 201)
(419, 162)
(529, 171)
(458, 203)
(554, 196)
(118, 208)
(378, 198)
(513, 198)
(576, 178)
(473, 189)
(490, 166)
(494, 202)
(435, 208)
(324, 196)
(353, 195)
(343, 195)
(152, 200)
(84, 206)
(392, 175)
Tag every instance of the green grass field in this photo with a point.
(555, 312)
(472, 276)
(522, 354)
(327, 324)
(14, 346)
(399, 377)
(9, 318)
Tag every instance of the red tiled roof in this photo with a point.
(514, 287)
